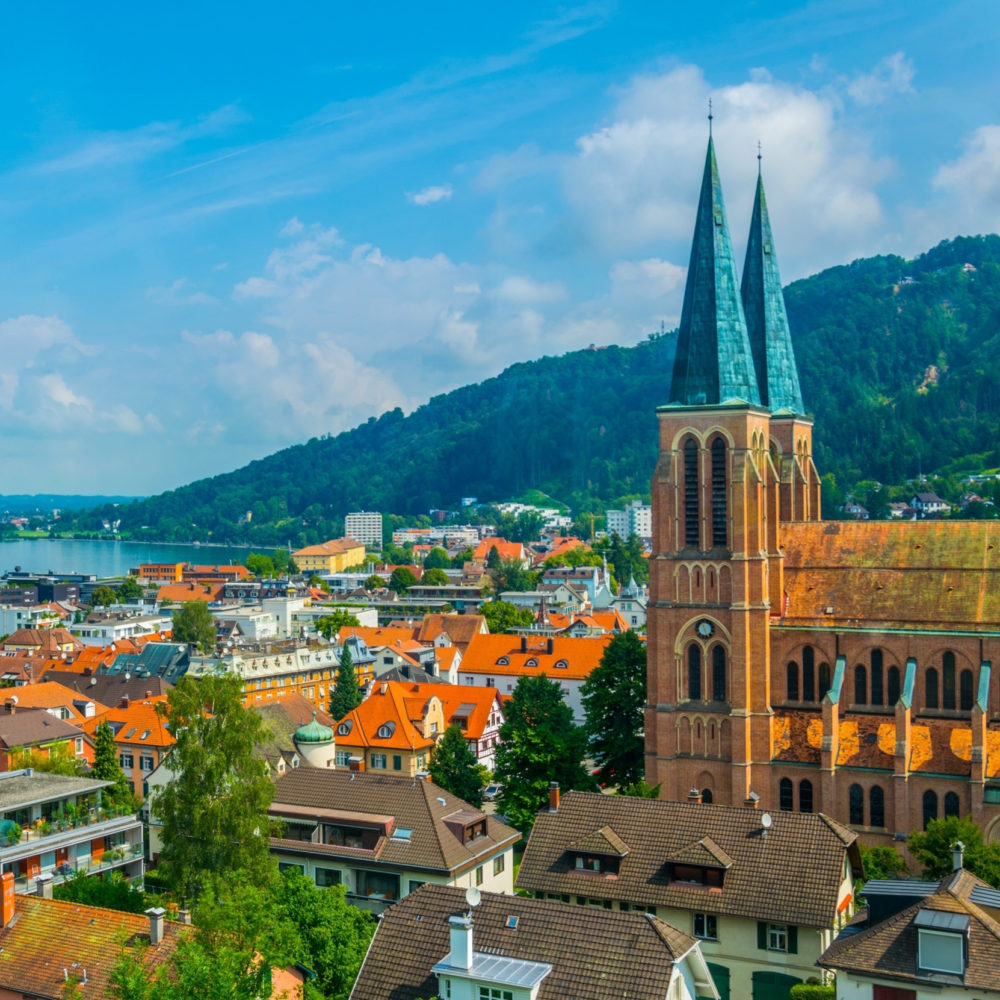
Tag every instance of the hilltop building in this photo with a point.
(364, 526)
(842, 667)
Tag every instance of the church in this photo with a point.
(798, 664)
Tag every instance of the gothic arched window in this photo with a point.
(951, 804)
(878, 695)
(808, 674)
(805, 796)
(948, 681)
(785, 795)
(892, 678)
(694, 672)
(931, 699)
(876, 806)
(856, 805)
(860, 685)
(719, 505)
(930, 806)
(706, 795)
(824, 680)
(792, 681)
(691, 493)
(965, 691)
(718, 673)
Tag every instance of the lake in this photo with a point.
(64, 555)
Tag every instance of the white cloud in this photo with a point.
(176, 294)
(893, 75)
(972, 182)
(524, 289)
(429, 195)
(646, 279)
(25, 339)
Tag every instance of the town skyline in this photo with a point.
(208, 259)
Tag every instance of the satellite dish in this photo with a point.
(473, 896)
(766, 821)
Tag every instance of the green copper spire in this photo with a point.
(767, 322)
(713, 362)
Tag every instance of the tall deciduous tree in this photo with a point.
(614, 696)
(103, 596)
(193, 623)
(435, 577)
(453, 767)
(437, 558)
(933, 849)
(502, 615)
(129, 590)
(346, 695)
(402, 579)
(329, 625)
(213, 810)
(107, 768)
(539, 743)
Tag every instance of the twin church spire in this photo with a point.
(733, 342)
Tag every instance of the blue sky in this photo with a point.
(225, 228)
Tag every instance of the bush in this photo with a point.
(810, 991)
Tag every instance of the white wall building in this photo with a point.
(635, 519)
(364, 526)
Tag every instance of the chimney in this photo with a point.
(553, 796)
(957, 856)
(694, 796)
(124, 702)
(524, 644)
(355, 764)
(43, 886)
(8, 899)
(9, 707)
(155, 914)
(461, 941)
(549, 645)
(383, 687)
(752, 800)
(184, 916)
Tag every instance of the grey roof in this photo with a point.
(18, 788)
(594, 954)
(767, 321)
(713, 363)
(281, 719)
(31, 726)
(434, 816)
(109, 689)
(792, 872)
(169, 660)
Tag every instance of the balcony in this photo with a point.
(60, 835)
(129, 857)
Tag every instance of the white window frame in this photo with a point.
(777, 937)
(706, 926)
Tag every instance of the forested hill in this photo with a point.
(898, 362)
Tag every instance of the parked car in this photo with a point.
(491, 791)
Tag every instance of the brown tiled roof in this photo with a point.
(702, 852)
(603, 841)
(48, 936)
(793, 872)
(889, 949)
(32, 726)
(460, 628)
(594, 954)
(109, 689)
(931, 574)
(418, 806)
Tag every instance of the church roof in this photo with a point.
(713, 363)
(767, 322)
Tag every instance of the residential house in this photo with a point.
(450, 630)
(764, 893)
(51, 949)
(333, 556)
(636, 518)
(630, 603)
(929, 504)
(60, 701)
(591, 579)
(45, 641)
(141, 737)
(921, 940)
(39, 730)
(853, 509)
(501, 660)
(283, 747)
(565, 596)
(478, 712)
(183, 593)
(101, 628)
(383, 836)
(65, 827)
(507, 551)
(435, 944)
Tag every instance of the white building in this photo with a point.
(103, 629)
(636, 519)
(364, 526)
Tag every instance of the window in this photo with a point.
(127, 760)
(706, 796)
(378, 761)
(494, 993)
(718, 674)
(694, 672)
(860, 685)
(719, 512)
(691, 513)
(79, 741)
(479, 875)
(146, 763)
(930, 806)
(948, 681)
(385, 731)
(808, 674)
(893, 683)
(940, 951)
(343, 758)
(785, 795)
(328, 876)
(397, 762)
(289, 866)
(777, 937)
(951, 804)
(706, 926)
(805, 796)
(931, 689)
(498, 864)
(876, 806)
(792, 681)
(856, 803)
(964, 694)
(878, 696)
(415, 884)
(824, 680)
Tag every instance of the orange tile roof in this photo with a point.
(171, 593)
(380, 636)
(385, 705)
(48, 640)
(471, 702)
(132, 722)
(560, 547)
(580, 655)
(50, 694)
(505, 549)
(460, 628)
(234, 570)
(50, 936)
(332, 547)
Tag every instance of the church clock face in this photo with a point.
(705, 629)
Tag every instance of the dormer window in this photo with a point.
(602, 863)
(344, 729)
(532, 662)
(941, 938)
(562, 665)
(386, 730)
(503, 661)
(696, 875)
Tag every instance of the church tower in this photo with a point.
(734, 459)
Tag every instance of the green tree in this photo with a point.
(539, 743)
(437, 558)
(501, 616)
(513, 576)
(461, 558)
(107, 768)
(193, 623)
(435, 577)
(933, 849)
(114, 892)
(402, 579)
(259, 564)
(103, 596)
(640, 790)
(493, 559)
(58, 758)
(375, 582)
(346, 694)
(453, 767)
(331, 624)
(614, 697)
(130, 590)
(213, 810)
(882, 862)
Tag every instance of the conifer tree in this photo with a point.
(346, 694)
(493, 558)
(107, 768)
(453, 767)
